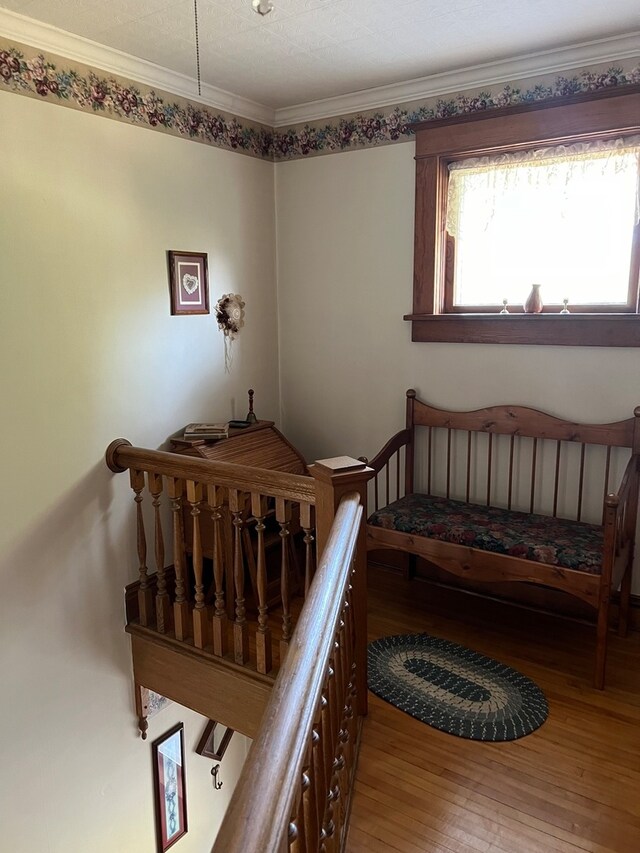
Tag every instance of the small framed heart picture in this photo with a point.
(188, 282)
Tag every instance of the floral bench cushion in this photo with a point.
(554, 541)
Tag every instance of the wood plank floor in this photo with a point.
(573, 785)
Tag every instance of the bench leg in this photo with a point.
(601, 643)
(625, 601)
(409, 572)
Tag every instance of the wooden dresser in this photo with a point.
(261, 445)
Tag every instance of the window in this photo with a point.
(563, 217)
(546, 193)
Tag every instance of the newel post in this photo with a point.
(335, 478)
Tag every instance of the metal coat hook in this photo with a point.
(216, 782)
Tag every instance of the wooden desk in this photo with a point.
(261, 445)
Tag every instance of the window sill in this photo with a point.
(587, 330)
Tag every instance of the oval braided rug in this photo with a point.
(455, 689)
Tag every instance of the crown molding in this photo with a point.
(43, 36)
(531, 65)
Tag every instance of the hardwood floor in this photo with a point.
(573, 785)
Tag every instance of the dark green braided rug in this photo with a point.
(455, 689)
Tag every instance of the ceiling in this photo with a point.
(306, 50)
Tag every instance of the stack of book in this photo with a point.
(206, 432)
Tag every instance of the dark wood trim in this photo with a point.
(545, 123)
(604, 330)
(600, 114)
(528, 107)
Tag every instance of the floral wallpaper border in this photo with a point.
(382, 127)
(27, 71)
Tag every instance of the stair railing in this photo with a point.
(188, 509)
(293, 793)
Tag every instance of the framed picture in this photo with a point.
(188, 282)
(214, 741)
(170, 789)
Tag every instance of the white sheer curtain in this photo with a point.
(560, 216)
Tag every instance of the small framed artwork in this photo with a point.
(188, 282)
(214, 741)
(170, 789)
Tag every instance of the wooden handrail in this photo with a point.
(258, 816)
(121, 455)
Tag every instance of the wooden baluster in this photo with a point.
(489, 469)
(283, 517)
(163, 603)
(606, 483)
(311, 828)
(533, 473)
(292, 842)
(511, 443)
(145, 593)
(448, 463)
(375, 488)
(581, 483)
(180, 604)
(200, 634)
(397, 455)
(386, 472)
(429, 461)
(328, 730)
(319, 782)
(299, 843)
(305, 523)
(343, 749)
(341, 733)
(219, 633)
(240, 626)
(263, 636)
(557, 478)
(468, 465)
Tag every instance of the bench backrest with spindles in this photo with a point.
(509, 456)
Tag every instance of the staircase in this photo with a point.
(257, 620)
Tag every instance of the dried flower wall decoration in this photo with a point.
(230, 317)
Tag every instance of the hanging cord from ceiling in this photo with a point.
(195, 17)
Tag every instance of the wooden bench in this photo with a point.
(511, 493)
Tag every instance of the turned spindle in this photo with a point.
(180, 604)
(215, 499)
(251, 418)
(240, 626)
(263, 636)
(145, 593)
(163, 603)
(305, 523)
(283, 517)
(200, 634)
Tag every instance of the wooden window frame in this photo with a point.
(602, 114)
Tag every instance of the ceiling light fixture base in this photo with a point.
(262, 7)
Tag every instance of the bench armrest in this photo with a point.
(400, 439)
(628, 487)
(620, 519)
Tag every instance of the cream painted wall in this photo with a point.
(89, 352)
(345, 268)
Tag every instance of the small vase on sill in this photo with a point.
(533, 305)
